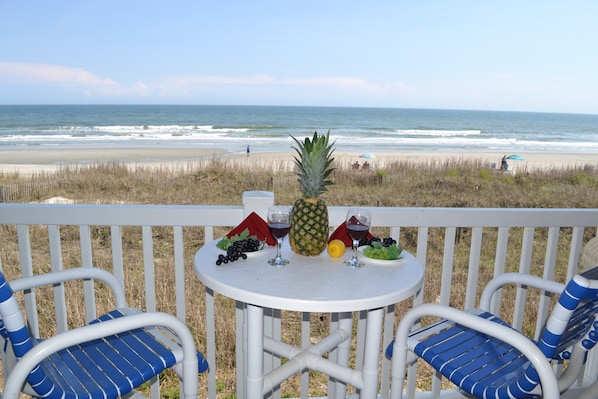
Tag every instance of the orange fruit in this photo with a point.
(336, 248)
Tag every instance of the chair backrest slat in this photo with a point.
(591, 274)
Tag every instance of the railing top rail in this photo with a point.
(120, 215)
(224, 215)
(482, 217)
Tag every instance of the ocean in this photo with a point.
(268, 128)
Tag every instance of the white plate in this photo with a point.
(263, 248)
(378, 262)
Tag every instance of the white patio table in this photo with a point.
(306, 284)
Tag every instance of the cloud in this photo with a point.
(48, 73)
(140, 89)
(70, 82)
(187, 81)
(190, 83)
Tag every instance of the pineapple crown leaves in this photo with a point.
(313, 161)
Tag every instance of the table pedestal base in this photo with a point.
(366, 379)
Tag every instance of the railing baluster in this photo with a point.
(527, 247)
(208, 233)
(395, 232)
(549, 267)
(150, 287)
(499, 263)
(447, 265)
(575, 252)
(26, 264)
(149, 269)
(116, 241)
(87, 261)
(421, 255)
(211, 343)
(444, 297)
(56, 262)
(422, 245)
(474, 267)
(179, 273)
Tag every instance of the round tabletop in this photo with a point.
(309, 283)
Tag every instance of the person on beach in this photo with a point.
(503, 163)
(247, 150)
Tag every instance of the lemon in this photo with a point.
(336, 248)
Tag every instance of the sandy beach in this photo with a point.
(30, 161)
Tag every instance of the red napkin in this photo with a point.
(341, 234)
(257, 227)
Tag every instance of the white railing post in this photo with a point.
(258, 202)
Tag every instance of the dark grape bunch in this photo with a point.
(237, 250)
(386, 242)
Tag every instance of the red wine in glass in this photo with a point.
(279, 230)
(357, 231)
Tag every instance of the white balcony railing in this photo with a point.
(548, 243)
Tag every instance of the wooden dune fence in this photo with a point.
(14, 192)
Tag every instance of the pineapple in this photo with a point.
(309, 217)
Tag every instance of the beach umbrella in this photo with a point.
(367, 155)
(515, 157)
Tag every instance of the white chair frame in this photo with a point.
(17, 370)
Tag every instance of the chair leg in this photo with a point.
(398, 371)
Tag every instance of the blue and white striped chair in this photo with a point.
(107, 358)
(487, 358)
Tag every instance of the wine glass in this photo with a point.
(279, 223)
(358, 225)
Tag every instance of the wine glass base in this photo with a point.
(278, 262)
(353, 262)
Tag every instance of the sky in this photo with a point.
(512, 55)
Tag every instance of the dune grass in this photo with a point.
(400, 184)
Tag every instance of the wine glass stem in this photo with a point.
(355, 245)
(278, 248)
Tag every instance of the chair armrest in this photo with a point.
(550, 388)
(79, 273)
(47, 347)
(519, 279)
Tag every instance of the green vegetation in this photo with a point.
(377, 251)
(401, 184)
(441, 184)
